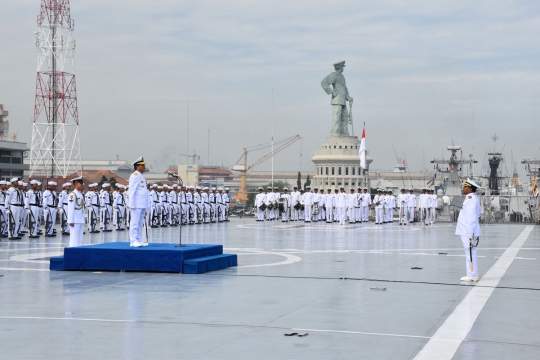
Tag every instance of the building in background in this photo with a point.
(4, 124)
(11, 159)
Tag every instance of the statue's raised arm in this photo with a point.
(334, 85)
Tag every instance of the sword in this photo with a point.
(470, 253)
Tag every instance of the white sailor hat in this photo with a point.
(359, 188)
(205, 188)
(198, 188)
(260, 188)
(365, 188)
(2, 182)
(53, 183)
(351, 189)
(411, 189)
(38, 182)
(66, 184)
(308, 187)
(77, 179)
(214, 189)
(379, 190)
(165, 186)
(120, 186)
(160, 187)
(154, 186)
(105, 185)
(470, 183)
(315, 188)
(219, 189)
(175, 186)
(276, 188)
(329, 189)
(22, 183)
(226, 189)
(34, 182)
(139, 161)
(13, 180)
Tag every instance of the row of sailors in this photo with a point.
(191, 204)
(338, 206)
(20, 207)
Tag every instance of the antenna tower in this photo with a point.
(55, 150)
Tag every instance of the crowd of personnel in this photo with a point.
(338, 206)
(23, 210)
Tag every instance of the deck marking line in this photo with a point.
(449, 336)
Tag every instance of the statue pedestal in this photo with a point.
(337, 163)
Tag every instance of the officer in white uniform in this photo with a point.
(75, 213)
(221, 203)
(92, 203)
(295, 199)
(34, 206)
(390, 206)
(366, 203)
(260, 200)
(411, 205)
(316, 204)
(468, 228)
(307, 201)
(119, 205)
(15, 205)
(352, 201)
(62, 208)
(269, 198)
(330, 204)
(227, 201)
(50, 201)
(26, 208)
(138, 203)
(3, 213)
(402, 205)
(378, 200)
(359, 197)
(433, 209)
(105, 199)
(423, 204)
(341, 206)
(286, 205)
(322, 205)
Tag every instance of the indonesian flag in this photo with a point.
(362, 150)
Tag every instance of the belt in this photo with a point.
(207, 203)
(52, 206)
(120, 204)
(16, 205)
(35, 205)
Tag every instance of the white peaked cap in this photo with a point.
(139, 160)
(469, 181)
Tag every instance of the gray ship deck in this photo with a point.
(293, 277)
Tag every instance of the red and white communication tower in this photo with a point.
(55, 150)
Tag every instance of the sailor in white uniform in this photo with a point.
(390, 206)
(295, 199)
(34, 206)
(352, 201)
(50, 201)
(468, 228)
(286, 200)
(402, 206)
(433, 208)
(92, 205)
(359, 197)
(119, 205)
(424, 205)
(75, 213)
(227, 201)
(138, 203)
(330, 204)
(26, 209)
(366, 203)
(62, 208)
(105, 199)
(411, 205)
(341, 206)
(260, 200)
(378, 200)
(316, 204)
(307, 201)
(322, 205)
(3, 212)
(269, 198)
(14, 203)
(154, 206)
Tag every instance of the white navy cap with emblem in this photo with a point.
(77, 179)
(471, 183)
(139, 161)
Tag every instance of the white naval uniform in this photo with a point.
(390, 205)
(119, 206)
(138, 203)
(49, 213)
(269, 199)
(105, 210)
(155, 206)
(424, 208)
(62, 210)
(295, 199)
(411, 205)
(330, 205)
(322, 206)
(164, 203)
(286, 204)
(307, 201)
(92, 206)
(3, 215)
(316, 203)
(34, 207)
(366, 203)
(433, 210)
(352, 201)
(358, 212)
(341, 207)
(227, 202)
(379, 209)
(205, 200)
(75, 217)
(260, 199)
(402, 205)
(220, 205)
(468, 226)
(15, 204)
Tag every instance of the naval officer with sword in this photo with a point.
(468, 228)
(138, 203)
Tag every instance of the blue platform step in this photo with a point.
(119, 256)
(209, 263)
